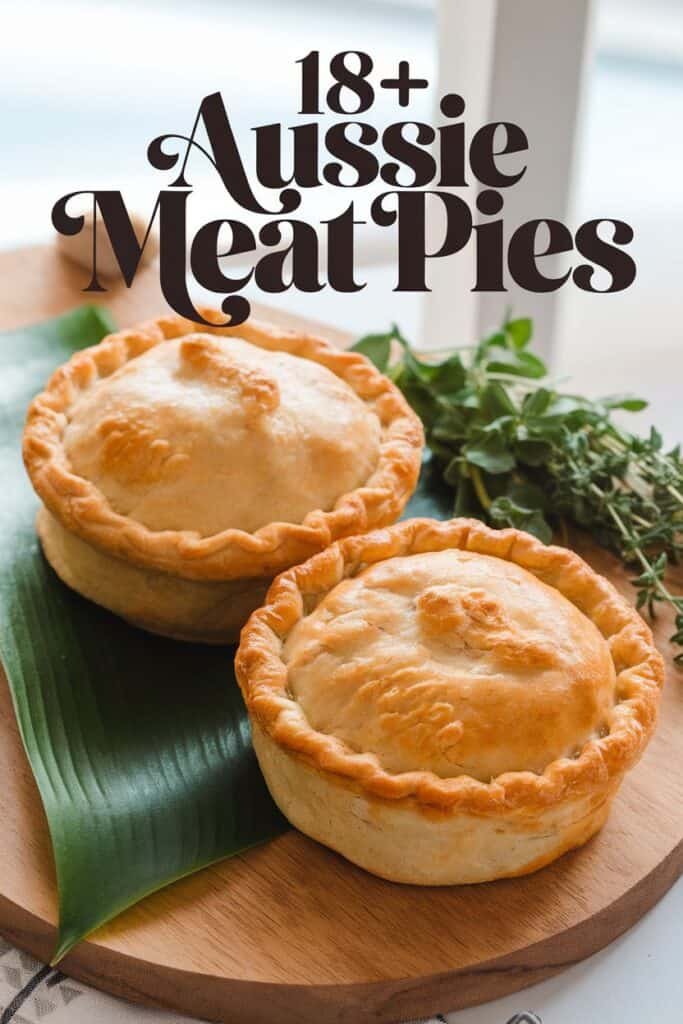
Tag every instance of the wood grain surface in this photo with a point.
(290, 932)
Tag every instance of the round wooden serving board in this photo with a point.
(290, 932)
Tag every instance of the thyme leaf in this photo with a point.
(518, 451)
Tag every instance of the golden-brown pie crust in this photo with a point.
(231, 554)
(591, 775)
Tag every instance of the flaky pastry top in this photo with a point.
(454, 665)
(218, 453)
(451, 662)
(210, 433)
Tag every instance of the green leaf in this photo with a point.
(532, 452)
(451, 424)
(377, 348)
(503, 427)
(627, 402)
(519, 364)
(528, 495)
(491, 455)
(422, 400)
(418, 370)
(450, 376)
(494, 402)
(536, 402)
(139, 745)
(519, 332)
(506, 512)
(531, 366)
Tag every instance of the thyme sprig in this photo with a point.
(518, 451)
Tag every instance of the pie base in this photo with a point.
(199, 611)
(130, 449)
(404, 841)
(415, 823)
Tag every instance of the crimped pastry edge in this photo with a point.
(639, 668)
(82, 508)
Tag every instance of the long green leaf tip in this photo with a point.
(140, 746)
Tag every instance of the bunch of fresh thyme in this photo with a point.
(518, 452)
